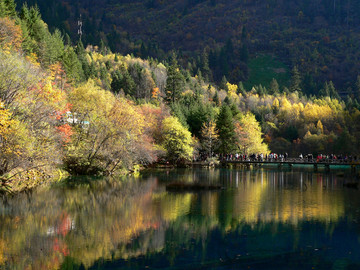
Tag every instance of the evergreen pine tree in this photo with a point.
(205, 66)
(116, 81)
(295, 80)
(102, 47)
(199, 75)
(67, 40)
(216, 99)
(127, 83)
(51, 48)
(10, 8)
(80, 50)
(223, 83)
(357, 87)
(244, 53)
(274, 87)
(241, 89)
(332, 91)
(2, 9)
(226, 129)
(174, 82)
(143, 51)
(72, 65)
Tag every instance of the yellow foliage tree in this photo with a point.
(248, 132)
(210, 136)
(232, 88)
(177, 140)
(14, 141)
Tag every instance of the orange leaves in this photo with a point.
(58, 75)
(10, 35)
(155, 94)
(65, 132)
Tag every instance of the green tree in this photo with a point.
(198, 113)
(274, 87)
(72, 65)
(35, 28)
(241, 89)
(177, 141)
(206, 71)
(226, 129)
(174, 82)
(223, 83)
(116, 81)
(244, 53)
(2, 9)
(52, 48)
(357, 87)
(10, 8)
(124, 81)
(329, 90)
(216, 99)
(295, 80)
(86, 66)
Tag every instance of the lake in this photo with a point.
(262, 219)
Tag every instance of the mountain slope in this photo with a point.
(321, 37)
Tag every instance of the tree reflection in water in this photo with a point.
(261, 214)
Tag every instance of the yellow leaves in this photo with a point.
(285, 104)
(248, 132)
(314, 112)
(33, 59)
(57, 71)
(209, 130)
(50, 93)
(13, 135)
(232, 88)
(177, 140)
(91, 99)
(127, 117)
(319, 127)
(6, 123)
(276, 103)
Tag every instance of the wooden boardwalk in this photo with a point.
(290, 162)
(295, 161)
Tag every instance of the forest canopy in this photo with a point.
(85, 109)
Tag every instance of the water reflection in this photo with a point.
(133, 222)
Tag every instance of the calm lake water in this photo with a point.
(262, 219)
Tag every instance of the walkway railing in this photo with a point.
(294, 161)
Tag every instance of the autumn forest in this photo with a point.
(78, 104)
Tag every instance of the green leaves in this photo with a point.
(226, 128)
(174, 83)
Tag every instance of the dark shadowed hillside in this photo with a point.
(320, 37)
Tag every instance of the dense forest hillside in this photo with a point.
(75, 109)
(320, 37)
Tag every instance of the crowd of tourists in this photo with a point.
(254, 157)
(274, 157)
(328, 158)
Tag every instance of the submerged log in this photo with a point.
(352, 185)
(178, 186)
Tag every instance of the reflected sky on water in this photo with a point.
(262, 219)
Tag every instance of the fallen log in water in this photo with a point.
(352, 185)
(178, 186)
